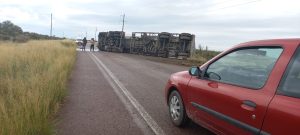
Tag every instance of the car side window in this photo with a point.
(290, 83)
(247, 67)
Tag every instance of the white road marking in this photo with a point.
(140, 109)
(138, 121)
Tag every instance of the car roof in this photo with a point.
(270, 42)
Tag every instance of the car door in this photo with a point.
(231, 96)
(283, 115)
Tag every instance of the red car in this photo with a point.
(253, 88)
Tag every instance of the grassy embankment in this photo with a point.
(33, 79)
(198, 58)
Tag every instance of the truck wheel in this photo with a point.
(177, 110)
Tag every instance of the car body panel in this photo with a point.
(219, 106)
(179, 82)
(283, 116)
(228, 100)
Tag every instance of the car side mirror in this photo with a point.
(195, 71)
(214, 76)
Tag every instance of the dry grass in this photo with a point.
(33, 78)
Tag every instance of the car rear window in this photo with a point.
(290, 83)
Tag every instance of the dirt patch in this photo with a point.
(186, 62)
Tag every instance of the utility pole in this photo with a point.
(123, 20)
(96, 32)
(51, 27)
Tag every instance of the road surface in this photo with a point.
(119, 94)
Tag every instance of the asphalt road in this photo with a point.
(119, 94)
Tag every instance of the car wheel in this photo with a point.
(177, 110)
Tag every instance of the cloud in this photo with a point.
(217, 24)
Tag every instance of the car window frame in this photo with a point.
(242, 48)
(284, 76)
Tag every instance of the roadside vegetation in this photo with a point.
(12, 32)
(201, 56)
(33, 78)
(197, 58)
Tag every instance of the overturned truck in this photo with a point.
(164, 44)
(112, 41)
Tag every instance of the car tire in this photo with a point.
(177, 110)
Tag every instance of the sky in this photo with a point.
(217, 24)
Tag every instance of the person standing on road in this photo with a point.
(92, 44)
(84, 42)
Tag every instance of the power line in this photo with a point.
(236, 5)
(207, 6)
(221, 2)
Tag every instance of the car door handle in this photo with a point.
(248, 105)
(213, 84)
